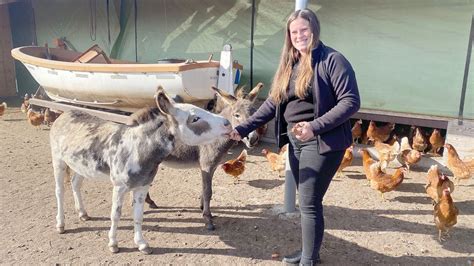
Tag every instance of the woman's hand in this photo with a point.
(303, 131)
(234, 135)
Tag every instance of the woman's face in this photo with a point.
(300, 34)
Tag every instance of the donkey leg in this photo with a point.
(117, 203)
(206, 199)
(59, 169)
(76, 183)
(139, 195)
(150, 202)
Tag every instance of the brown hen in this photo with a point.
(436, 182)
(25, 105)
(387, 152)
(459, 168)
(386, 183)
(276, 160)
(35, 119)
(436, 141)
(236, 167)
(357, 130)
(409, 158)
(3, 107)
(346, 161)
(419, 141)
(370, 166)
(50, 117)
(381, 133)
(445, 214)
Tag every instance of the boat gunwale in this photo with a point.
(20, 55)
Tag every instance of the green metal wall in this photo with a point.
(409, 56)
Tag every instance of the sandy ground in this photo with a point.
(360, 227)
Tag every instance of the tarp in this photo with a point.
(409, 55)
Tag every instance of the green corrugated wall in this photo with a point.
(409, 56)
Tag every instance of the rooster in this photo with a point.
(459, 168)
(3, 107)
(445, 214)
(346, 160)
(236, 167)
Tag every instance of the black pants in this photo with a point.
(313, 173)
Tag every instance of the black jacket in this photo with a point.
(336, 96)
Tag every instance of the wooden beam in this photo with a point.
(119, 118)
(403, 118)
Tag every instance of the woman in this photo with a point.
(313, 95)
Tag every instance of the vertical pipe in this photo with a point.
(300, 4)
(290, 187)
(466, 73)
(136, 37)
(290, 184)
(252, 27)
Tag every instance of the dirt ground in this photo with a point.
(360, 227)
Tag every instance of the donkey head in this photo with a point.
(238, 109)
(195, 126)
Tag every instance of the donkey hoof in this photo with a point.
(146, 250)
(60, 229)
(210, 227)
(84, 217)
(153, 205)
(114, 249)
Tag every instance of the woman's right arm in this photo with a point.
(263, 115)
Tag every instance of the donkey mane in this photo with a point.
(142, 116)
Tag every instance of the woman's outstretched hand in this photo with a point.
(234, 135)
(303, 131)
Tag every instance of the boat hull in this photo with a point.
(120, 86)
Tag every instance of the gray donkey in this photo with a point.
(208, 156)
(88, 147)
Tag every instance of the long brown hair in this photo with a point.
(289, 55)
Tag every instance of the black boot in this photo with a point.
(311, 262)
(292, 259)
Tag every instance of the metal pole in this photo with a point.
(290, 187)
(252, 27)
(290, 184)
(300, 4)
(466, 73)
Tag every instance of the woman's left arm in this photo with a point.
(343, 80)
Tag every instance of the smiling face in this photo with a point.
(300, 34)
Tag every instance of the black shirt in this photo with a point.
(297, 109)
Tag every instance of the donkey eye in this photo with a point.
(237, 115)
(195, 119)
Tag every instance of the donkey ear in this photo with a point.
(163, 102)
(227, 98)
(253, 94)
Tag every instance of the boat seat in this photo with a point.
(90, 54)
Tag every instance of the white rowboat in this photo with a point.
(93, 79)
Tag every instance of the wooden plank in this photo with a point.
(403, 118)
(7, 66)
(66, 107)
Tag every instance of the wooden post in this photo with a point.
(7, 65)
